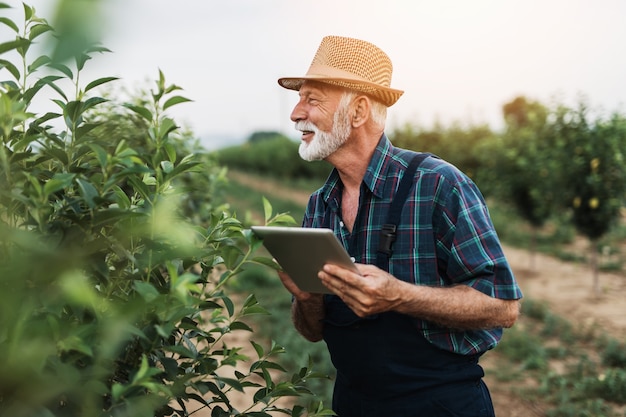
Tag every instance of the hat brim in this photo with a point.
(387, 96)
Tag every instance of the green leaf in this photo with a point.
(180, 350)
(46, 117)
(140, 110)
(266, 261)
(58, 182)
(74, 342)
(50, 81)
(239, 325)
(121, 198)
(98, 82)
(63, 69)
(167, 126)
(9, 23)
(117, 391)
(167, 166)
(28, 11)
(11, 45)
(42, 60)
(146, 290)
(267, 209)
(85, 128)
(81, 59)
(259, 349)
(174, 101)
(231, 382)
(38, 30)
(230, 306)
(97, 48)
(88, 192)
(11, 68)
(170, 149)
(93, 101)
(101, 154)
(72, 112)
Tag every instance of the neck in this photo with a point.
(353, 158)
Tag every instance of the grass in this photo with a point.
(577, 371)
(251, 201)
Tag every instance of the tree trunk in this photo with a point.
(593, 260)
(533, 249)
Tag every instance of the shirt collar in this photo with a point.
(374, 175)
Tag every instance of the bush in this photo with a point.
(113, 299)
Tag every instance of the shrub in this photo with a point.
(113, 298)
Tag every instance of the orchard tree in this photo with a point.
(526, 170)
(592, 158)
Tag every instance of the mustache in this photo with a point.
(306, 126)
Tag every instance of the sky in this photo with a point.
(458, 61)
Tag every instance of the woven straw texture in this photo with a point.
(350, 63)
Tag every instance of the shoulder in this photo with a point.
(431, 165)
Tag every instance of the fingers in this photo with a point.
(291, 286)
(341, 281)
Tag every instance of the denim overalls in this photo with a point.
(387, 368)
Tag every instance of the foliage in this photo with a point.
(272, 155)
(595, 170)
(527, 162)
(113, 293)
(457, 144)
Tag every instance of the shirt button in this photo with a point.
(341, 224)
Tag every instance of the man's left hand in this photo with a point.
(374, 291)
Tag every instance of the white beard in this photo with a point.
(323, 143)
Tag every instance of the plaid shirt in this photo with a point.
(445, 236)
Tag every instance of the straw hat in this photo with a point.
(353, 64)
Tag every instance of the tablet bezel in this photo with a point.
(303, 251)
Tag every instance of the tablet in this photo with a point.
(302, 252)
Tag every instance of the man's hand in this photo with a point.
(458, 306)
(307, 310)
(291, 286)
(373, 291)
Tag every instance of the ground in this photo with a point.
(567, 288)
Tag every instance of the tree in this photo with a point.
(594, 171)
(526, 169)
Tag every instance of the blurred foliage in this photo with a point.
(458, 144)
(526, 162)
(274, 154)
(593, 166)
(115, 256)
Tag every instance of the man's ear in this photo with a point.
(360, 110)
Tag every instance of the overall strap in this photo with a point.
(388, 232)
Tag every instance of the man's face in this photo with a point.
(322, 115)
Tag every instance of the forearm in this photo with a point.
(458, 307)
(307, 317)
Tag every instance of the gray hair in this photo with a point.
(378, 112)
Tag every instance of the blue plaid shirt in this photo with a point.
(445, 236)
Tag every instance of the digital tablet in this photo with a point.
(302, 252)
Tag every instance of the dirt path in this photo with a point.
(565, 287)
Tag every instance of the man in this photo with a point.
(405, 334)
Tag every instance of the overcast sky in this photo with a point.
(456, 60)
